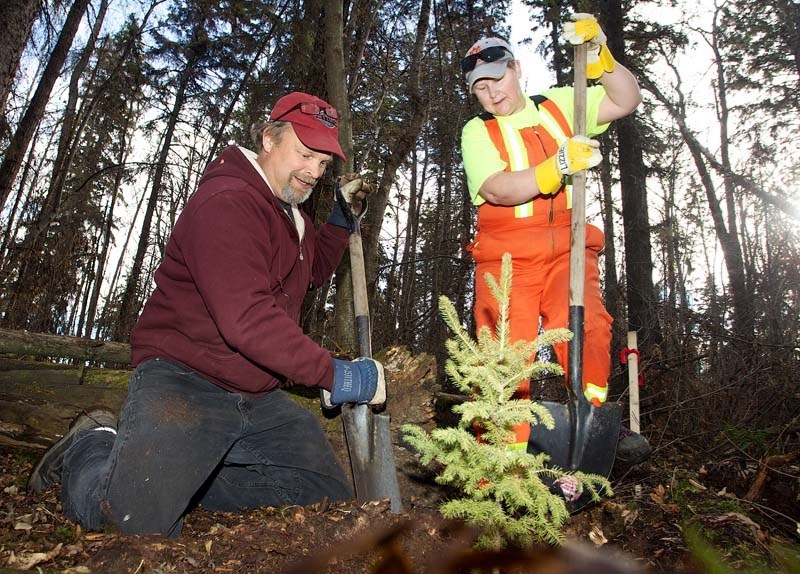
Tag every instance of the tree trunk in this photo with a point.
(742, 296)
(613, 297)
(37, 405)
(69, 131)
(129, 305)
(793, 9)
(406, 304)
(673, 278)
(12, 161)
(359, 27)
(16, 20)
(67, 144)
(108, 309)
(336, 86)
(561, 64)
(15, 302)
(108, 225)
(78, 311)
(725, 231)
(642, 305)
(392, 315)
(102, 258)
(15, 211)
(337, 77)
(402, 146)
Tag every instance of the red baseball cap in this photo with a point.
(315, 121)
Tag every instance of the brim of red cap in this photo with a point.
(314, 133)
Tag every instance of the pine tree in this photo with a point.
(507, 494)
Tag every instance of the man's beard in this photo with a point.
(295, 196)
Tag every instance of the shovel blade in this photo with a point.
(598, 443)
(369, 444)
(553, 442)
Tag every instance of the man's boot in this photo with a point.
(48, 470)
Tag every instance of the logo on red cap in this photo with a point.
(326, 118)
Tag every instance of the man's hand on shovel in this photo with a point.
(356, 382)
(350, 201)
(354, 188)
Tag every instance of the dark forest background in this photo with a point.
(110, 110)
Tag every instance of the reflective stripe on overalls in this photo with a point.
(595, 394)
(525, 148)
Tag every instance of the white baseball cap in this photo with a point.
(487, 58)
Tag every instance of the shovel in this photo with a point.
(367, 434)
(585, 437)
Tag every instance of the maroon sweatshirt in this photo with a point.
(231, 283)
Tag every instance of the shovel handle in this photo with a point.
(577, 248)
(360, 300)
(580, 409)
(358, 274)
(577, 254)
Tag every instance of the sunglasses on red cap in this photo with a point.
(491, 54)
(313, 109)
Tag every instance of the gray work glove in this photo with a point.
(350, 190)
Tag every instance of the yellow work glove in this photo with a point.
(575, 154)
(584, 28)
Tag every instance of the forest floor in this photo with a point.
(647, 526)
(641, 529)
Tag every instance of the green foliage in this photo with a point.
(22, 458)
(786, 557)
(757, 442)
(115, 378)
(506, 492)
(64, 533)
(693, 500)
(759, 43)
(722, 537)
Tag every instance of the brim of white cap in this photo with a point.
(494, 70)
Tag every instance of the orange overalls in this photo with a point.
(537, 234)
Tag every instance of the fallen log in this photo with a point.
(23, 343)
(38, 399)
(36, 406)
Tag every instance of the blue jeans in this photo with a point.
(183, 441)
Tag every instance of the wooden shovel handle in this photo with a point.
(577, 255)
(577, 250)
